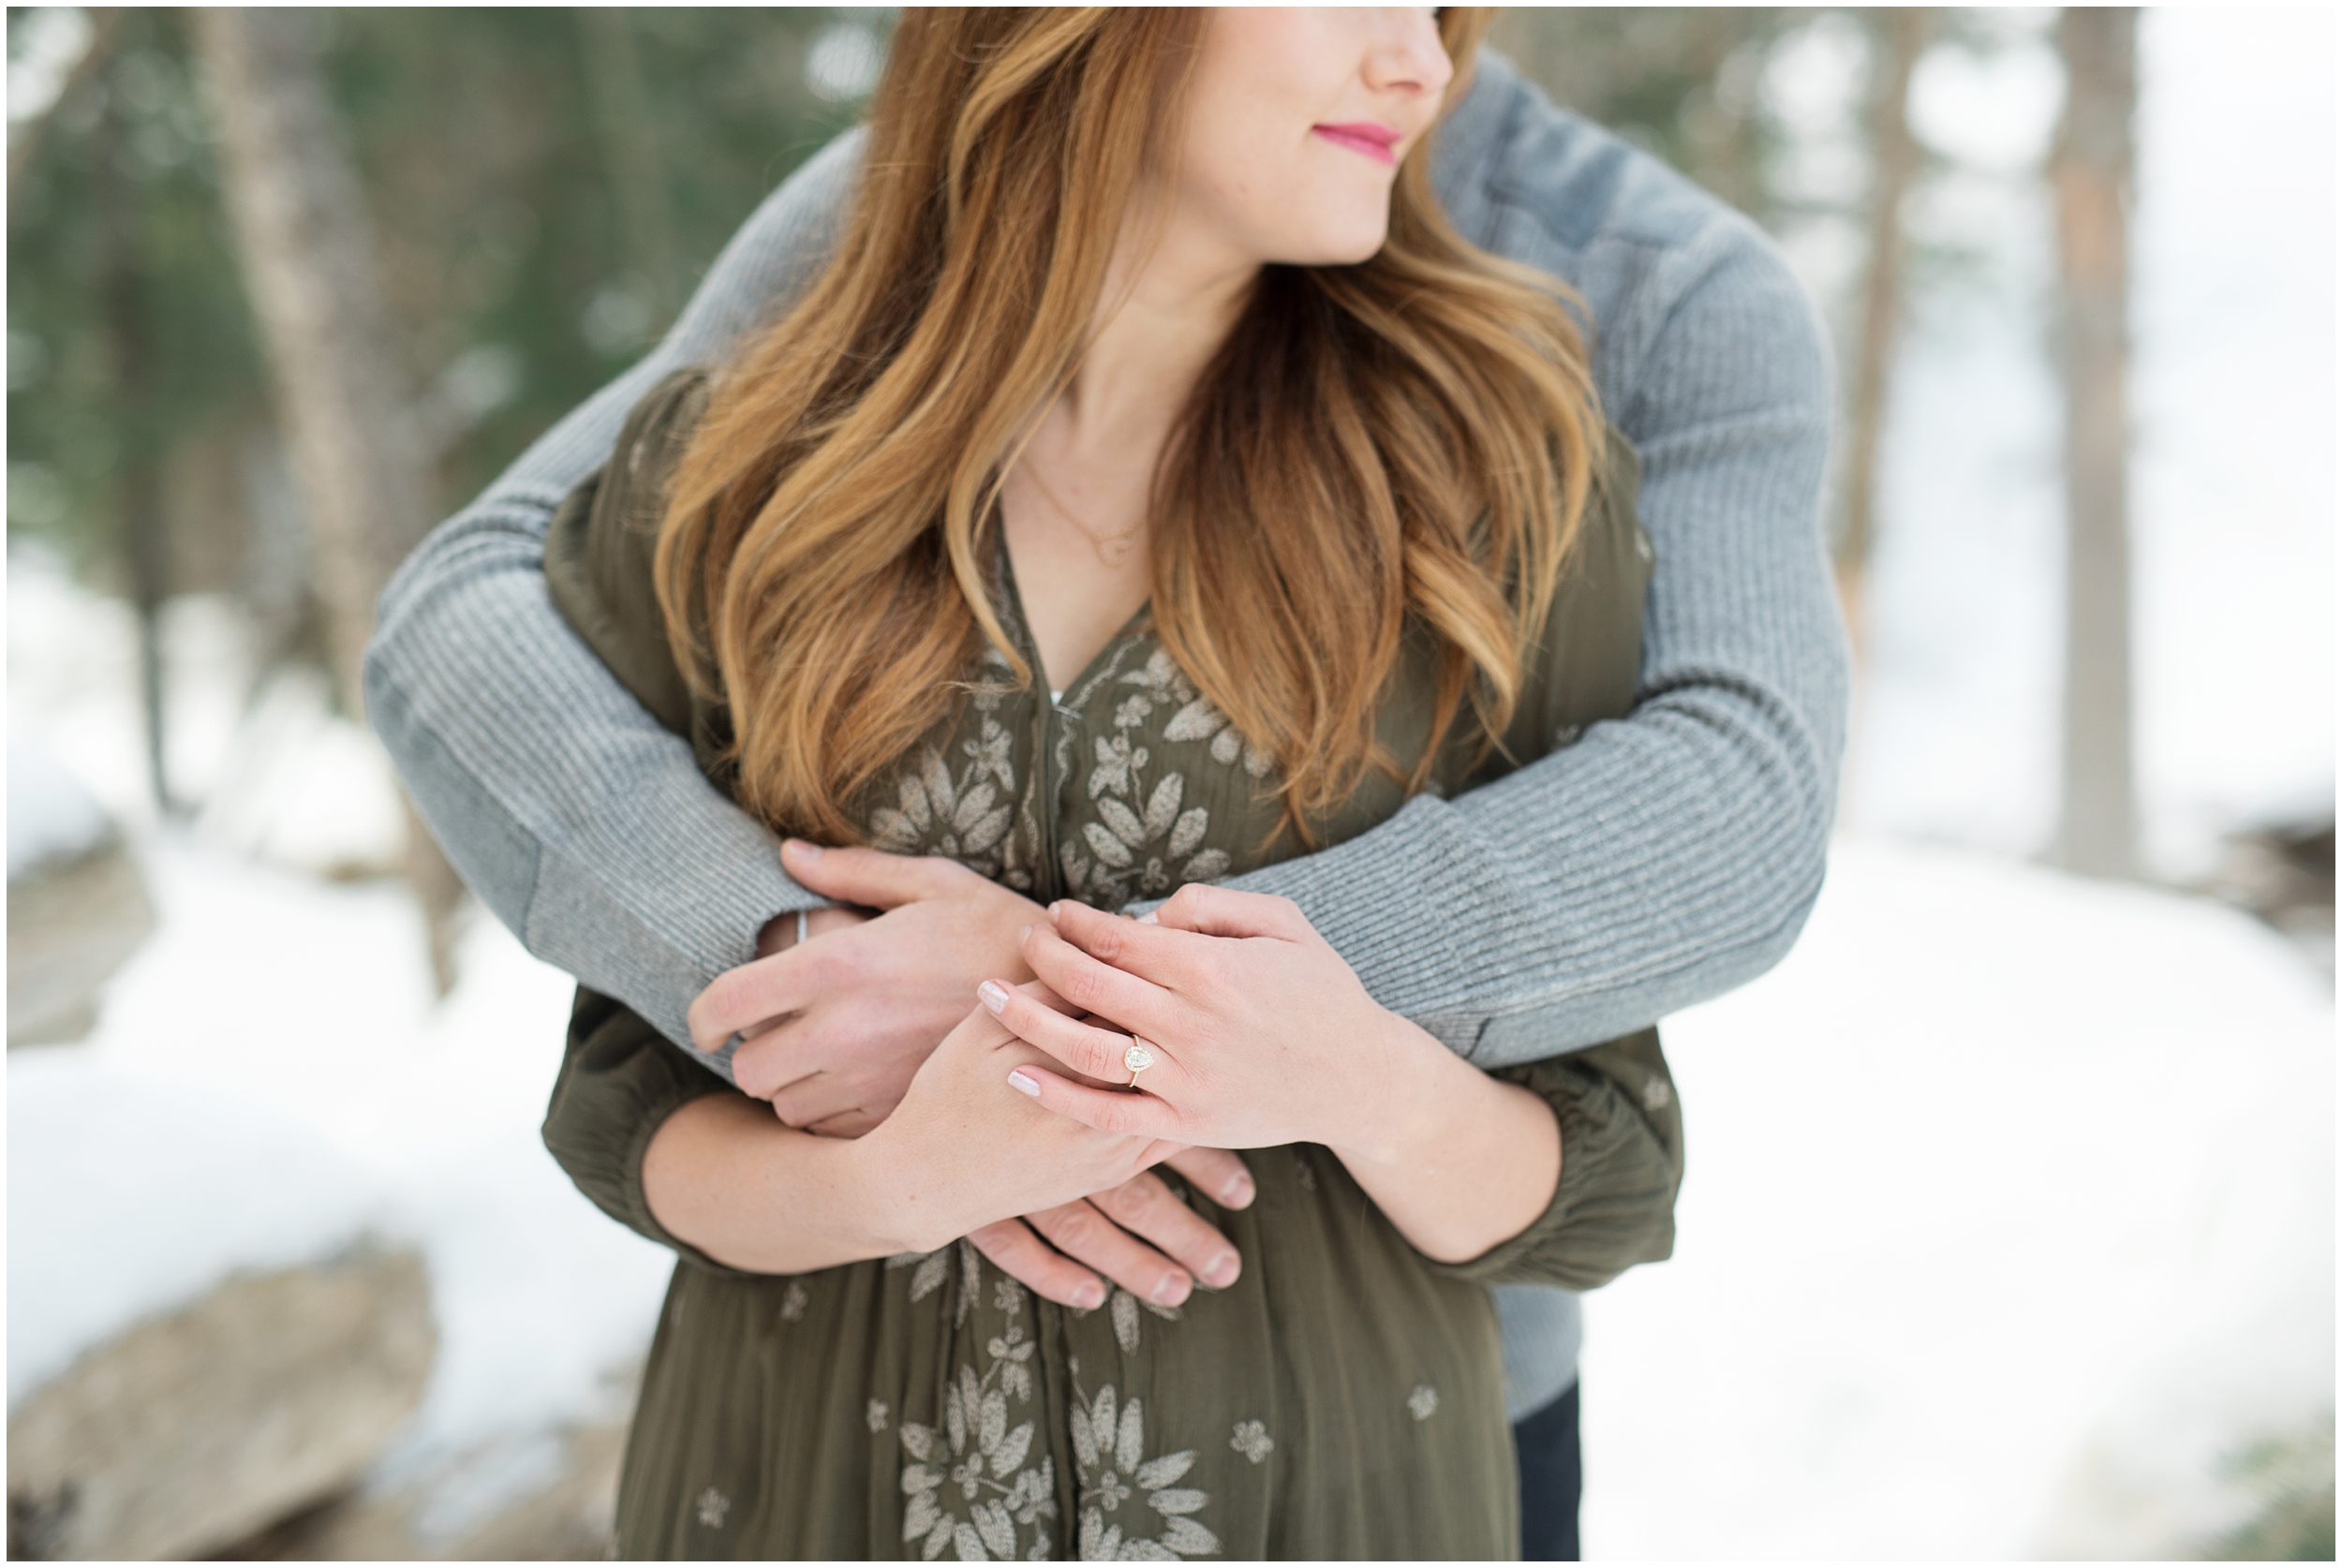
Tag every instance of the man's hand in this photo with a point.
(833, 1031)
(1110, 1232)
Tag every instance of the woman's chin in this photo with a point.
(1344, 246)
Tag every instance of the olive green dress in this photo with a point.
(1344, 1399)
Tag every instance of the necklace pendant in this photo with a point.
(1114, 552)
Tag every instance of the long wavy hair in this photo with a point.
(1409, 440)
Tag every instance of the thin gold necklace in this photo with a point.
(1113, 549)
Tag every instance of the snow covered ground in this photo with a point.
(2008, 1219)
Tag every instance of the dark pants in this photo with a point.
(1545, 1445)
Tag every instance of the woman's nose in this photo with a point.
(1407, 54)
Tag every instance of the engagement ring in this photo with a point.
(1137, 1059)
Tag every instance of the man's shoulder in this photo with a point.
(1663, 268)
(1548, 186)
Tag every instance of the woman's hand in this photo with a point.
(832, 1029)
(1260, 1034)
(964, 1150)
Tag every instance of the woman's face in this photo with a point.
(1297, 118)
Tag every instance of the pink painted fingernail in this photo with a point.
(993, 995)
(1087, 1296)
(1022, 932)
(810, 852)
(1237, 1193)
(1221, 1272)
(1149, 919)
(1023, 1085)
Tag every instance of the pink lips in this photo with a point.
(1364, 136)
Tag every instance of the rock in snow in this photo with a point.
(52, 815)
(204, 1332)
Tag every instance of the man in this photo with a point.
(1666, 857)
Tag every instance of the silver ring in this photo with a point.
(1137, 1059)
(801, 914)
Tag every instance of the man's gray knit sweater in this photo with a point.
(1657, 862)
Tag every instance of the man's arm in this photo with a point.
(1660, 861)
(1667, 857)
(582, 824)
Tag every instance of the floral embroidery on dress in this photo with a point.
(1141, 833)
(1252, 1441)
(1422, 1401)
(968, 1486)
(713, 1505)
(1110, 1449)
(794, 1302)
(962, 808)
(1122, 1306)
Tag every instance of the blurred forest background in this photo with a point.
(287, 287)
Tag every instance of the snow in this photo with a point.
(2010, 1217)
(129, 1197)
(52, 814)
(313, 1001)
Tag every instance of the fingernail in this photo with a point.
(1149, 919)
(1023, 1085)
(1022, 932)
(810, 852)
(1172, 1290)
(1221, 1272)
(993, 994)
(1088, 1295)
(1237, 1193)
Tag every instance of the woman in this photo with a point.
(1342, 552)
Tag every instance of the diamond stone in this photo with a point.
(1138, 1058)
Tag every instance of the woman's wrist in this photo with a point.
(1410, 1091)
(1459, 1161)
(892, 1203)
(723, 1175)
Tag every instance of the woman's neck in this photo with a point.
(1075, 503)
(1171, 295)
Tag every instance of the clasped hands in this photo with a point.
(1261, 1034)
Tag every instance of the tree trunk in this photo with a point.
(2091, 176)
(137, 486)
(1898, 37)
(630, 148)
(342, 394)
